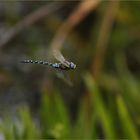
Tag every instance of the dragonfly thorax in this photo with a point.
(72, 65)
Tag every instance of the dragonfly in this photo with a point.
(59, 66)
(63, 65)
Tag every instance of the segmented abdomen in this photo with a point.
(36, 62)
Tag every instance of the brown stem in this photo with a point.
(103, 38)
(77, 15)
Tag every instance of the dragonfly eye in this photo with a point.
(72, 65)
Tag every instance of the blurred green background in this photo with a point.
(103, 100)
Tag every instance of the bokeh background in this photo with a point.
(98, 99)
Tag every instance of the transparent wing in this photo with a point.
(60, 58)
(65, 77)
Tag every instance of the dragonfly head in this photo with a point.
(72, 65)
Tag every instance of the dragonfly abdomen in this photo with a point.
(36, 62)
(54, 65)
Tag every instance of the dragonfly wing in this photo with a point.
(60, 58)
(65, 77)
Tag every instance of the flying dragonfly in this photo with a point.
(62, 66)
(59, 66)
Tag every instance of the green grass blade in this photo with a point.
(84, 127)
(30, 131)
(54, 117)
(6, 128)
(127, 124)
(100, 110)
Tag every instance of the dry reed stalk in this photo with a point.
(77, 15)
(103, 38)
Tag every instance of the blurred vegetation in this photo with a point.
(104, 99)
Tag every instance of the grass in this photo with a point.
(54, 121)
